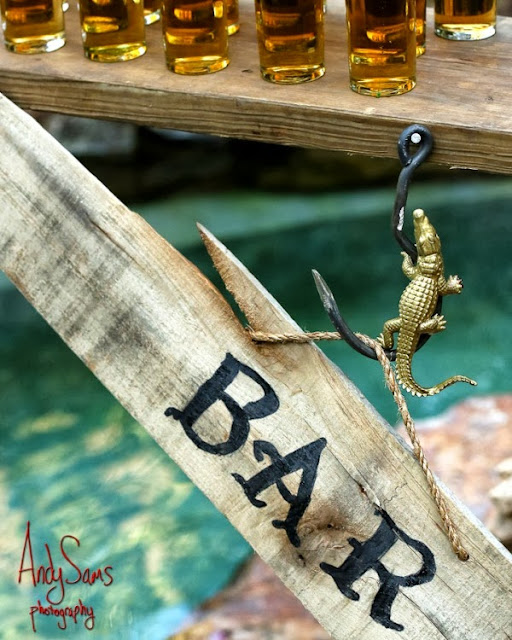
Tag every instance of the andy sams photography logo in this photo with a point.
(59, 571)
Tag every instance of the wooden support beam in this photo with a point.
(463, 95)
(275, 436)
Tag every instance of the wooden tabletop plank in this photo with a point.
(464, 94)
(277, 438)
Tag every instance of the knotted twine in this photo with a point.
(392, 384)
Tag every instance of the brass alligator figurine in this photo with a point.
(417, 305)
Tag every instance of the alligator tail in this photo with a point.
(404, 376)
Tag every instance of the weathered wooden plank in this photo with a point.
(158, 335)
(463, 94)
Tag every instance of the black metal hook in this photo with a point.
(419, 135)
(339, 323)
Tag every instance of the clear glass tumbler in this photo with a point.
(382, 46)
(290, 40)
(195, 35)
(33, 26)
(233, 17)
(421, 23)
(113, 30)
(465, 19)
(152, 11)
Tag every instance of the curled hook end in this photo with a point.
(421, 137)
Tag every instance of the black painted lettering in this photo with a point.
(305, 458)
(214, 390)
(366, 555)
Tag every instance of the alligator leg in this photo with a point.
(410, 270)
(390, 327)
(452, 284)
(433, 325)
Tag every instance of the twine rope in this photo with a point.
(392, 384)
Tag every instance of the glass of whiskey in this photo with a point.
(33, 26)
(382, 46)
(112, 30)
(195, 35)
(151, 11)
(465, 19)
(233, 17)
(290, 40)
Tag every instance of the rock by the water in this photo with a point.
(501, 496)
(465, 445)
(257, 606)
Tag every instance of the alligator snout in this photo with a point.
(427, 240)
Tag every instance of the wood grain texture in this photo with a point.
(464, 93)
(153, 329)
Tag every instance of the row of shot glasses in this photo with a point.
(384, 36)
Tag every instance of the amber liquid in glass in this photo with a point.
(465, 19)
(233, 19)
(290, 40)
(421, 21)
(152, 11)
(195, 35)
(382, 46)
(32, 26)
(112, 30)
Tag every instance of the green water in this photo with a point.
(74, 462)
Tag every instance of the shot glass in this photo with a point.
(290, 40)
(233, 18)
(152, 11)
(421, 22)
(382, 46)
(33, 26)
(112, 30)
(195, 35)
(465, 19)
